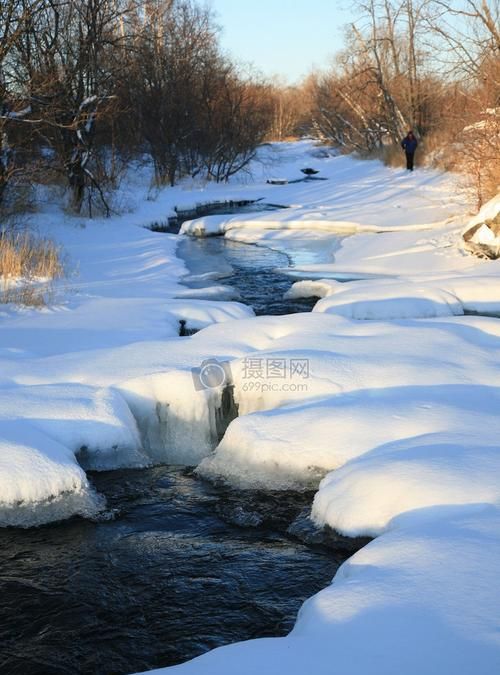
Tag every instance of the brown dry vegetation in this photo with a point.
(28, 265)
(429, 65)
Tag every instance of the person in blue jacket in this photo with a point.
(409, 145)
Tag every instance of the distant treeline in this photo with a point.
(86, 86)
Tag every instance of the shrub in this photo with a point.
(28, 265)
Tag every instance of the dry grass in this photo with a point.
(431, 151)
(28, 265)
(393, 155)
(476, 155)
(390, 154)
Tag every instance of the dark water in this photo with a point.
(181, 568)
(252, 270)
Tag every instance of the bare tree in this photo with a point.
(62, 63)
(239, 118)
(469, 32)
(15, 16)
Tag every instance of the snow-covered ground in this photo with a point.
(387, 392)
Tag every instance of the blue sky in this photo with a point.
(283, 37)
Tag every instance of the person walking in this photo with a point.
(409, 145)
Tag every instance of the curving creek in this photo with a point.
(175, 566)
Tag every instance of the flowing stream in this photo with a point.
(253, 271)
(175, 566)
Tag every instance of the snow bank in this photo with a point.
(390, 301)
(40, 480)
(477, 294)
(340, 410)
(482, 234)
(292, 218)
(47, 434)
(273, 450)
(363, 497)
(94, 423)
(295, 446)
(424, 297)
